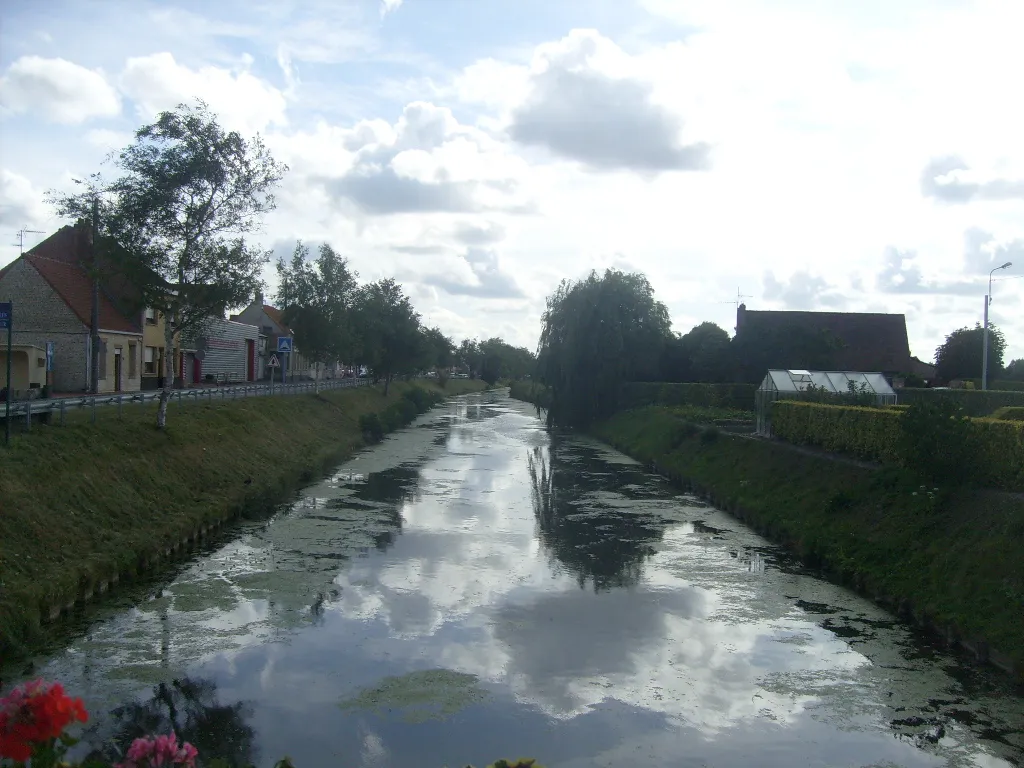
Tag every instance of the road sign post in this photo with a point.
(273, 364)
(284, 347)
(7, 321)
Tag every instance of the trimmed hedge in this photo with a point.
(975, 402)
(637, 394)
(876, 433)
(1004, 385)
(868, 433)
(1009, 413)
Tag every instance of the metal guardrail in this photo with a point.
(25, 409)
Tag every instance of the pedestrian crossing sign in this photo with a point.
(273, 362)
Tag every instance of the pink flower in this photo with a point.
(155, 752)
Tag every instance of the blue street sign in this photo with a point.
(6, 315)
(284, 343)
(49, 355)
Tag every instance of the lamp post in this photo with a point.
(984, 350)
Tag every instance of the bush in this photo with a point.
(974, 402)
(710, 436)
(936, 441)
(1009, 413)
(371, 427)
(418, 397)
(683, 430)
(640, 393)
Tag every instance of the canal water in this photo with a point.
(473, 588)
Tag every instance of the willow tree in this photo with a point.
(597, 334)
(174, 222)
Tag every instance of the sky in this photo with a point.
(800, 154)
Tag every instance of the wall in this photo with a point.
(41, 316)
(131, 381)
(25, 369)
(224, 344)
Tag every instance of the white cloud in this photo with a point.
(57, 89)
(243, 101)
(21, 203)
(389, 6)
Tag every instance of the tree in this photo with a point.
(389, 330)
(469, 357)
(960, 355)
(174, 222)
(1014, 370)
(788, 346)
(438, 352)
(597, 334)
(703, 354)
(317, 302)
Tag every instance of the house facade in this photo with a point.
(226, 351)
(270, 322)
(53, 304)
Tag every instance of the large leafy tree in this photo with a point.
(389, 329)
(318, 299)
(470, 357)
(1015, 370)
(960, 355)
(437, 352)
(500, 360)
(174, 221)
(596, 334)
(702, 354)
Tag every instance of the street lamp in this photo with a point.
(984, 351)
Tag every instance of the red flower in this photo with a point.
(33, 713)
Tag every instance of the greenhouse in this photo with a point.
(799, 385)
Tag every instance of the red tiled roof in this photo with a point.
(69, 244)
(276, 315)
(73, 285)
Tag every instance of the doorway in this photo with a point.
(250, 360)
(117, 369)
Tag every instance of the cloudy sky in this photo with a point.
(812, 154)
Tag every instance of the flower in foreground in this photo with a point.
(159, 751)
(35, 713)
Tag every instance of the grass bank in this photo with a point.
(84, 505)
(950, 561)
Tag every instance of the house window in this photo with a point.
(150, 316)
(133, 361)
(149, 360)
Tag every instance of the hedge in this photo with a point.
(868, 433)
(1009, 413)
(875, 433)
(1005, 385)
(975, 402)
(640, 393)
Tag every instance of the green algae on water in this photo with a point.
(432, 694)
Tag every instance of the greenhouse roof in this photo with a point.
(833, 381)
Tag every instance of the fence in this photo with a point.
(24, 410)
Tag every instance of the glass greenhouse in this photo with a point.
(790, 385)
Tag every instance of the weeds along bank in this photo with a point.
(85, 505)
(949, 560)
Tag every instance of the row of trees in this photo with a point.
(603, 330)
(170, 234)
(335, 318)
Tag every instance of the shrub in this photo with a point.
(683, 430)
(1009, 413)
(974, 402)
(935, 441)
(418, 397)
(371, 427)
(710, 436)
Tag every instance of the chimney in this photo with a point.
(741, 316)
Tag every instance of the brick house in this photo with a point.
(53, 303)
(270, 321)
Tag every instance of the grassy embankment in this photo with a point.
(950, 561)
(85, 504)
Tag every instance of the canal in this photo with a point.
(473, 588)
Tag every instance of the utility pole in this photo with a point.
(984, 349)
(94, 368)
(21, 238)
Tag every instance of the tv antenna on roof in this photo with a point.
(739, 299)
(21, 238)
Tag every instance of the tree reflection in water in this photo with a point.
(190, 708)
(602, 544)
